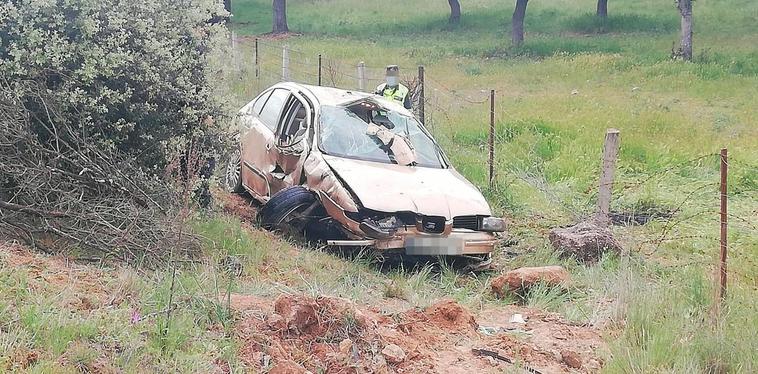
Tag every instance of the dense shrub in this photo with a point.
(128, 74)
(99, 98)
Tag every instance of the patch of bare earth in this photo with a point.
(79, 287)
(238, 205)
(297, 334)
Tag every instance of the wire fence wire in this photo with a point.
(260, 63)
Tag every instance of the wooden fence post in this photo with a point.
(361, 76)
(610, 153)
(286, 63)
(722, 244)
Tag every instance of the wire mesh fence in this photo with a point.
(692, 205)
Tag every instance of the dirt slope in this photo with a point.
(297, 334)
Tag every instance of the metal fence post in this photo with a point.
(257, 69)
(421, 100)
(492, 139)
(361, 76)
(319, 69)
(286, 63)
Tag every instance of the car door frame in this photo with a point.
(257, 157)
(289, 165)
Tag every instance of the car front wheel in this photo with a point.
(288, 209)
(233, 179)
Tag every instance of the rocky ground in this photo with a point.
(297, 334)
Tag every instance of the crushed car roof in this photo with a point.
(336, 96)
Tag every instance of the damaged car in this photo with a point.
(356, 170)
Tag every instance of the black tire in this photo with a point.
(281, 208)
(233, 176)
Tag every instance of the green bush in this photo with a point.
(131, 75)
(100, 102)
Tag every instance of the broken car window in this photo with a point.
(369, 132)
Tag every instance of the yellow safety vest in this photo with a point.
(398, 93)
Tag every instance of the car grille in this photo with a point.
(433, 224)
(466, 222)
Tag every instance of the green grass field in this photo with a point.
(575, 77)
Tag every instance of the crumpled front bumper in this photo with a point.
(457, 242)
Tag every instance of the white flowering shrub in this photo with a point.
(97, 99)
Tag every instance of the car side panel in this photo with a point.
(258, 159)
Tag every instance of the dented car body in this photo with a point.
(357, 170)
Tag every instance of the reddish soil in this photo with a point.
(80, 287)
(238, 205)
(296, 334)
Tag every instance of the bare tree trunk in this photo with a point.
(602, 8)
(280, 17)
(455, 12)
(685, 46)
(517, 32)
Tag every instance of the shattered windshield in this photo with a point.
(366, 131)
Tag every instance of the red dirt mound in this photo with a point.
(449, 315)
(333, 335)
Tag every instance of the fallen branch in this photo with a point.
(498, 356)
(31, 210)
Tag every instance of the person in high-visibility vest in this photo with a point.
(393, 89)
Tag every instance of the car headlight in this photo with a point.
(492, 224)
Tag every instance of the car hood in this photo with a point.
(397, 188)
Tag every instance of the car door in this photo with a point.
(258, 154)
(292, 143)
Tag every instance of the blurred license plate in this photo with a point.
(434, 246)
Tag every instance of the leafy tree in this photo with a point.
(98, 97)
(128, 74)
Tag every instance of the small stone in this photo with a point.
(393, 353)
(517, 318)
(571, 359)
(522, 279)
(525, 351)
(585, 241)
(575, 92)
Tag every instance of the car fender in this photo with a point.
(320, 178)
